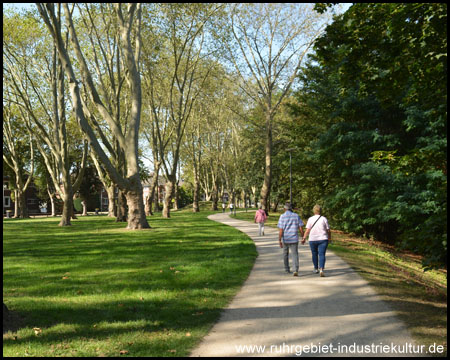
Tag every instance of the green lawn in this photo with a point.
(96, 289)
(419, 298)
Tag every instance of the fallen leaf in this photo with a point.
(142, 299)
(172, 351)
(37, 331)
(188, 334)
(122, 352)
(65, 277)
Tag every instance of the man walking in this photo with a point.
(289, 226)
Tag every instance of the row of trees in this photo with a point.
(215, 89)
(369, 127)
(123, 74)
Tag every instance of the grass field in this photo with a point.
(96, 289)
(419, 298)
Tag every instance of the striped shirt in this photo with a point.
(290, 222)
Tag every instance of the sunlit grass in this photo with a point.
(95, 289)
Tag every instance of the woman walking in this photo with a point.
(260, 218)
(319, 237)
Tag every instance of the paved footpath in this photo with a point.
(277, 314)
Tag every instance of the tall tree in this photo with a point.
(40, 92)
(176, 74)
(128, 30)
(378, 83)
(271, 41)
(15, 137)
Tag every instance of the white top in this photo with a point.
(320, 230)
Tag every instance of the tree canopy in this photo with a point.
(215, 95)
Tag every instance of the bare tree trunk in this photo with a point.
(84, 204)
(16, 204)
(153, 185)
(156, 199)
(265, 191)
(176, 195)
(67, 209)
(148, 205)
(215, 197)
(135, 204)
(52, 200)
(275, 205)
(23, 209)
(195, 205)
(121, 207)
(112, 211)
(170, 184)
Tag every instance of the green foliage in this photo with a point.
(184, 197)
(375, 99)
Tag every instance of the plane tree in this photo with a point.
(268, 48)
(35, 83)
(88, 97)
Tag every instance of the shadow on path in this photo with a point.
(280, 313)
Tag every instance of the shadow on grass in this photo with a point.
(185, 270)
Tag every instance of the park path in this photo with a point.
(278, 314)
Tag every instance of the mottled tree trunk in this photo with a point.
(135, 204)
(84, 204)
(175, 196)
(121, 207)
(112, 209)
(148, 205)
(153, 187)
(67, 210)
(215, 198)
(170, 185)
(195, 205)
(156, 199)
(23, 209)
(52, 201)
(16, 204)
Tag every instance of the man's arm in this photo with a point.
(280, 236)
(305, 235)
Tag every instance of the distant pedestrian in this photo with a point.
(289, 226)
(319, 237)
(223, 207)
(260, 218)
(231, 208)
